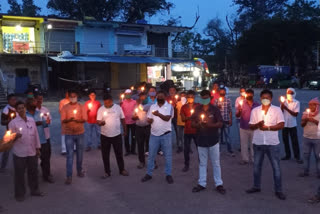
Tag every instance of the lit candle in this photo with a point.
(141, 107)
(90, 106)
(122, 96)
(75, 112)
(308, 111)
(132, 88)
(136, 110)
(12, 115)
(192, 111)
(241, 103)
(202, 117)
(7, 136)
(142, 88)
(177, 96)
(41, 115)
(220, 99)
(170, 101)
(263, 113)
(213, 91)
(282, 99)
(245, 96)
(20, 130)
(48, 114)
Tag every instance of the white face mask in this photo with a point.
(183, 100)
(73, 100)
(289, 97)
(265, 102)
(243, 94)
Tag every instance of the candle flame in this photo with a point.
(105, 113)
(170, 101)
(308, 110)
(90, 105)
(8, 132)
(176, 97)
(12, 115)
(202, 116)
(140, 107)
(136, 110)
(241, 102)
(20, 129)
(122, 96)
(213, 91)
(192, 111)
(282, 99)
(220, 99)
(132, 88)
(41, 115)
(142, 88)
(75, 111)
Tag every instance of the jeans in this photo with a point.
(92, 134)
(294, 140)
(5, 158)
(238, 129)
(106, 143)
(246, 143)
(225, 136)
(273, 153)
(142, 137)
(214, 153)
(180, 133)
(45, 159)
(21, 164)
(72, 140)
(187, 147)
(308, 146)
(174, 129)
(131, 128)
(63, 144)
(165, 143)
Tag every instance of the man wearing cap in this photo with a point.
(291, 108)
(128, 106)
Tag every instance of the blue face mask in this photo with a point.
(205, 101)
(152, 94)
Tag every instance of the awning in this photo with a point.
(115, 59)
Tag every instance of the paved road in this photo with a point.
(128, 195)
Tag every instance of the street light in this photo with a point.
(49, 26)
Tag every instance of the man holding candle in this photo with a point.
(187, 111)
(159, 116)
(311, 139)
(243, 111)
(173, 99)
(8, 114)
(26, 152)
(142, 128)
(207, 120)
(73, 115)
(41, 123)
(128, 106)
(291, 109)
(225, 107)
(110, 118)
(240, 100)
(62, 103)
(266, 121)
(215, 93)
(180, 123)
(92, 132)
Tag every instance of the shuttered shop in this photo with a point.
(61, 40)
(127, 40)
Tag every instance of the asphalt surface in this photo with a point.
(119, 194)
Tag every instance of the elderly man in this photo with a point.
(128, 106)
(291, 108)
(26, 152)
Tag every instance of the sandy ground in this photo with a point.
(128, 195)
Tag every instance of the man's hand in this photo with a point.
(312, 120)
(18, 135)
(48, 121)
(156, 113)
(38, 153)
(101, 123)
(39, 123)
(150, 121)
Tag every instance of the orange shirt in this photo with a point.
(67, 112)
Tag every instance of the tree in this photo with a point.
(301, 10)
(15, 8)
(29, 8)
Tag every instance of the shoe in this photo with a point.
(160, 153)
(221, 190)
(280, 195)
(127, 154)
(20, 199)
(124, 173)
(185, 169)
(68, 181)
(303, 174)
(141, 166)
(285, 158)
(146, 178)
(253, 190)
(37, 194)
(48, 180)
(81, 174)
(169, 179)
(146, 154)
(314, 200)
(88, 149)
(63, 153)
(243, 162)
(299, 161)
(105, 176)
(198, 188)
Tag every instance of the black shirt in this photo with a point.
(207, 137)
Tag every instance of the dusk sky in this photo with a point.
(185, 8)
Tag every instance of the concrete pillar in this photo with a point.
(168, 71)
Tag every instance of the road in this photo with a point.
(128, 195)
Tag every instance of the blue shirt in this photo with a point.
(40, 129)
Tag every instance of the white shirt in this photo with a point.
(46, 114)
(112, 116)
(289, 120)
(6, 109)
(273, 117)
(159, 126)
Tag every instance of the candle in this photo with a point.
(20, 130)
(141, 107)
(202, 117)
(241, 103)
(176, 97)
(170, 101)
(213, 91)
(41, 115)
(308, 111)
(7, 136)
(75, 112)
(142, 88)
(122, 96)
(282, 99)
(12, 115)
(192, 111)
(245, 96)
(220, 99)
(263, 113)
(132, 88)
(136, 110)
(90, 106)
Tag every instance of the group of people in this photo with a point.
(149, 120)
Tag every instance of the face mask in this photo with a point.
(265, 102)
(160, 101)
(249, 98)
(205, 101)
(289, 97)
(128, 96)
(183, 100)
(190, 100)
(243, 94)
(152, 94)
(73, 100)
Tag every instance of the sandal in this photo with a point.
(105, 176)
